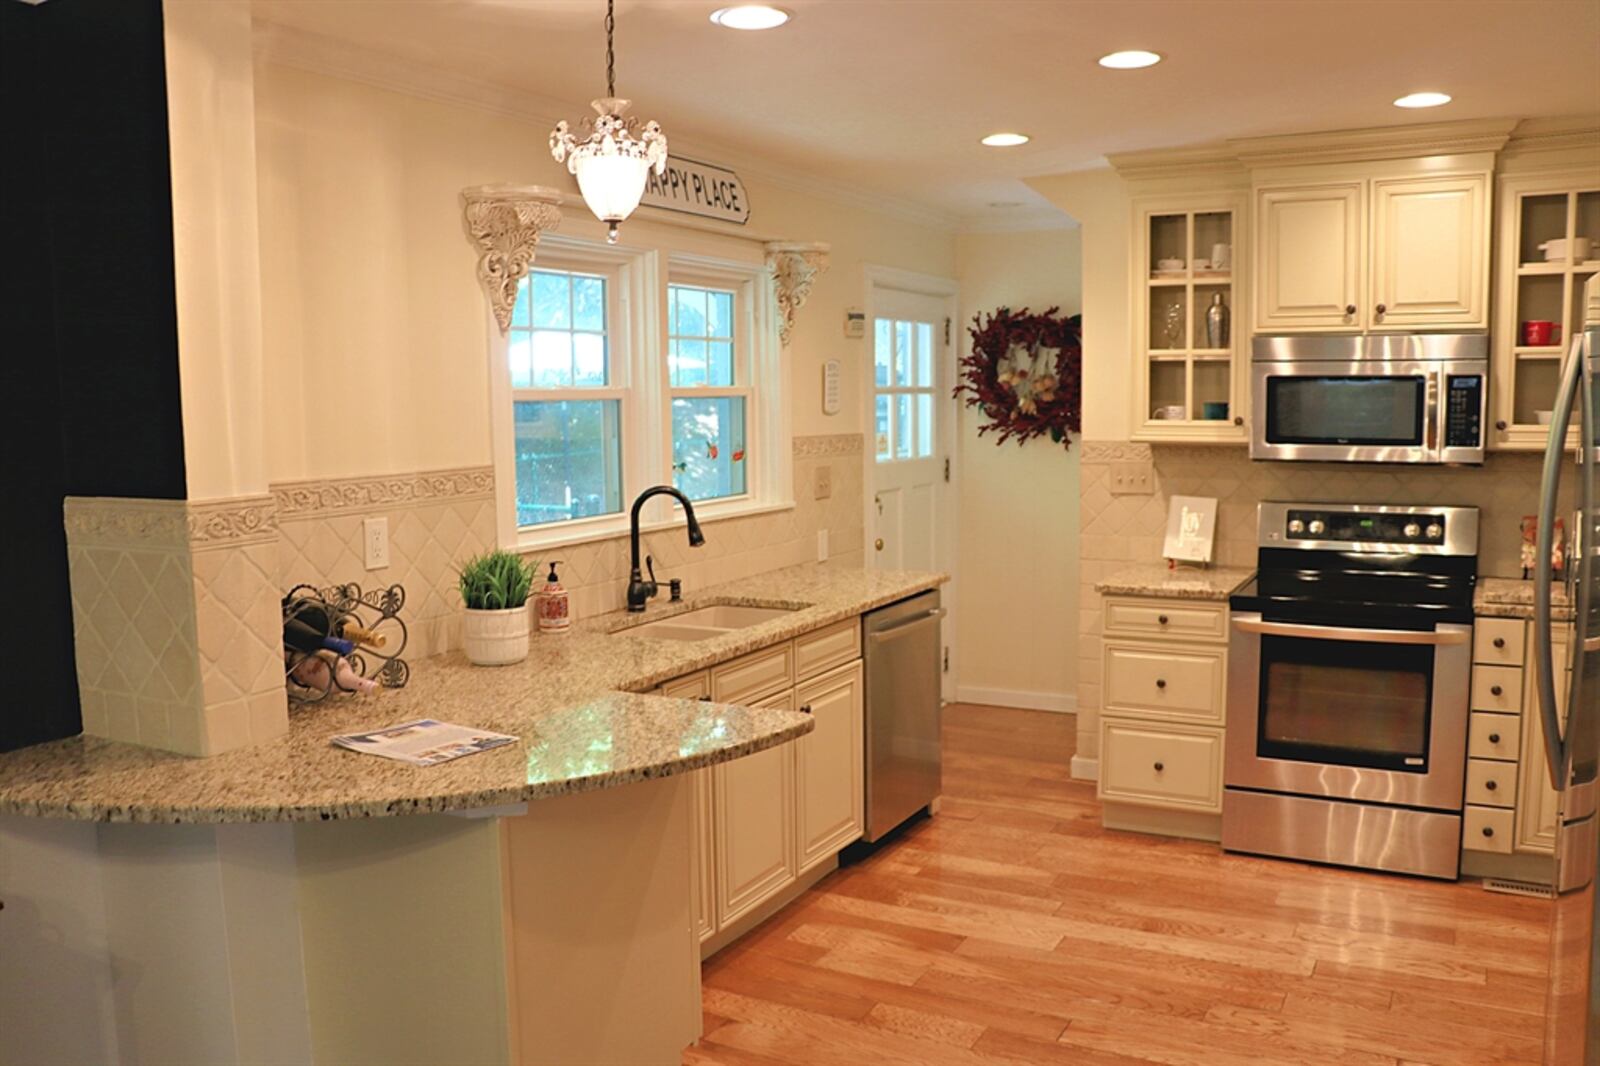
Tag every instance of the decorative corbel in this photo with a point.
(794, 266)
(503, 223)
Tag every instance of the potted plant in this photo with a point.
(494, 588)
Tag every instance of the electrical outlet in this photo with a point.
(822, 483)
(375, 542)
(822, 545)
(1133, 478)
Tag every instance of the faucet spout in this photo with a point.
(640, 590)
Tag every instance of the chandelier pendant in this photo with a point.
(613, 163)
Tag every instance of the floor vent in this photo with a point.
(1518, 888)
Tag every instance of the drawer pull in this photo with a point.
(1494, 738)
(1499, 642)
(805, 708)
(1161, 682)
(703, 699)
(1160, 767)
(1162, 619)
(1496, 690)
(1490, 785)
(1487, 831)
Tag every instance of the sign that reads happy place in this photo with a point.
(696, 188)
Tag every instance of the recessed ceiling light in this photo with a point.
(1132, 60)
(1423, 100)
(751, 17)
(1005, 140)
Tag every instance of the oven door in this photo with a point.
(1378, 715)
(1357, 412)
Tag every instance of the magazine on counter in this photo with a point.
(423, 742)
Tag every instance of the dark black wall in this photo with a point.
(88, 324)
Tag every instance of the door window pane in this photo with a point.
(902, 427)
(881, 427)
(708, 446)
(568, 460)
(699, 336)
(902, 353)
(924, 426)
(924, 356)
(882, 353)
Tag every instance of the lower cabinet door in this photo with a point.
(754, 826)
(828, 761)
(705, 870)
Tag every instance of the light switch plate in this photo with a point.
(822, 545)
(1133, 478)
(822, 483)
(375, 542)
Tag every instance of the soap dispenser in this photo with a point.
(552, 605)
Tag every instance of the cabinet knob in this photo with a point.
(1496, 690)
(1238, 420)
(1160, 766)
(878, 544)
(805, 708)
(1494, 738)
(1500, 425)
(1162, 619)
(1381, 309)
(1488, 832)
(1349, 309)
(1161, 682)
(1499, 642)
(1490, 786)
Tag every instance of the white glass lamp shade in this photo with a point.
(611, 165)
(611, 184)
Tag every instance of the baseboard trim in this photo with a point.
(1085, 769)
(1059, 702)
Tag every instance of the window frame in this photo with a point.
(638, 275)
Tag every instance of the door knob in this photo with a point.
(878, 544)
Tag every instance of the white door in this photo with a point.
(909, 452)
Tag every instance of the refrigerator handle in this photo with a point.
(1544, 571)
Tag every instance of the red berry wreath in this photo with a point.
(1026, 374)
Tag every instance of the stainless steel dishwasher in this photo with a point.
(902, 719)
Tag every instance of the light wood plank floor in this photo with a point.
(1012, 928)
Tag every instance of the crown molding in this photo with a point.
(1384, 142)
(1541, 142)
(1176, 162)
(334, 58)
(1032, 220)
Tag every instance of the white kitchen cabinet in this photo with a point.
(697, 686)
(753, 825)
(1538, 805)
(1309, 254)
(828, 765)
(1401, 251)
(1430, 253)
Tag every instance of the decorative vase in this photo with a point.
(495, 638)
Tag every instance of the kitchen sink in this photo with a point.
(705, 622)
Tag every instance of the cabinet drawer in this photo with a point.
(819, 652)
(1146, 618)
(1160, 767)
(1491, 783)
(1497, 688)
(754, 675)
(695, 686)
(1498, 641)
(1486, 829)
(1182, 683)
(1493, 736)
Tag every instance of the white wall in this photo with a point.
(373, 322)
(1017, 616)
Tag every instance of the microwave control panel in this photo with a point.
(1463, 414)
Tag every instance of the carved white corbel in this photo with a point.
(503, 223)
(794, 266)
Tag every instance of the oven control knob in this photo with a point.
(1435, 531)
(1318, 527)
(1296, 526)
(1413, 530)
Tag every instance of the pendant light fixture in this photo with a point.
(611, 165)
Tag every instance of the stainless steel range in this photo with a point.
(1348, 674)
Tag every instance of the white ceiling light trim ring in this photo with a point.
(751, 17)
(1132, 59)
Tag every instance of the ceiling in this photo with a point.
(891, 96)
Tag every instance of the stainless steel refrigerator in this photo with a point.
(1572, 747)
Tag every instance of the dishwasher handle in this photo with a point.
(900, 629)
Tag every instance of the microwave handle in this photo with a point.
(1431, 433)
(1445, 635)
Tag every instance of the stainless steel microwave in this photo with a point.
(1375, 398)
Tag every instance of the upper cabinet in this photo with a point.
(1373, 252)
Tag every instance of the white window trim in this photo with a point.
(637, 331)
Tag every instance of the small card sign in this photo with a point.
(1191, 529)
(695, 188)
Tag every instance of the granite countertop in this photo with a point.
(1186, 583)
(577, 703)
(1504, 597)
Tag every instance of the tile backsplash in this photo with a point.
(1119, 530)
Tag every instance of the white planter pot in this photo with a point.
(496, 638)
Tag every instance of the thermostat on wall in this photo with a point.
(830, 387)
(855, 323)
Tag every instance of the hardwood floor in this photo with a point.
(1012, 928)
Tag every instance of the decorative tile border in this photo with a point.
(1113, 451)
(828, 444)
(126, 523)
(302, 499)
(232, 521)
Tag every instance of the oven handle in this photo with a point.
(1365, 636)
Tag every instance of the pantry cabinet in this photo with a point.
(1372, 251)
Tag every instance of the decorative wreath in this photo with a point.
(1025, 374)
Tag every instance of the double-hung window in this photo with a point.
(708, 377)
(566, 403)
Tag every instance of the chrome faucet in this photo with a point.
(640, 590)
